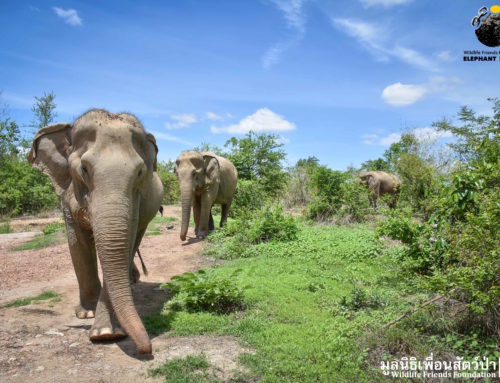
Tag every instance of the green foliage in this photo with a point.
(53, 296)
(259, 157)
(171, 190)
(191, 369)
(204, 291)
(45, 240)
(249, 196)
(326, 185)
(288, 318)
(53, 227)
(299, 191)
(378, 164)
(457, 244)
(5, 227)
(355, 200)
(358, 300)
(44, 110)
(270, 223)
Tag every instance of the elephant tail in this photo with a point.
(144, 269)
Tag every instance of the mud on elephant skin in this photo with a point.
(205, 179)
(381, 183)
(103, 166)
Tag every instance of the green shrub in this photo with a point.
(204, 291)
(53, 227)
(358, 300)
(249, 196)
(5, 228)
(171, 190)
(355, 200)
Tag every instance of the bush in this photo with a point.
(171, 190)
(355, 200)
(249, 196)
(204, 291)
(53, 227)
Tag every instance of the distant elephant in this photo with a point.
(103, 166)
(381, 183)
(204, 179)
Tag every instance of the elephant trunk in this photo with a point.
(186, 199)
(111, 223)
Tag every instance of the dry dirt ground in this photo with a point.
(45, 342)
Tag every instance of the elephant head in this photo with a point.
(103, 167)
(368, 179)
(196, 171)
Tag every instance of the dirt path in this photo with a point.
(45, 342)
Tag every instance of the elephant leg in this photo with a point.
(196, 213)
(206, 204)
(106, 326)
(225, 211)
(211, 225)
(135, 275)
(83, 256)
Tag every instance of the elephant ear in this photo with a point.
(212, 167)
(152, 140)
(49, 153)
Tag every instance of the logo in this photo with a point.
(487, 24)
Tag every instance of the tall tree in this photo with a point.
(44, 110)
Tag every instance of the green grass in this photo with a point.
(42, 241)
(292, 317)
(5, 227)
(156, 224)
(46, 295)
(192, 369)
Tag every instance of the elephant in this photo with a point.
(381, 183)
(103, 167)
(204, 178)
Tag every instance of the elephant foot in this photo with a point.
(82, 312)
(105, 328)
(202, 234)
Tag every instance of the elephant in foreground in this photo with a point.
(381, 183)
(204, 179)
(103, 166)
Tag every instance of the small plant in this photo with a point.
(204, 291)
(53, 227)
(53, 296)
(193, 368)
(358, 300)
(5, 228)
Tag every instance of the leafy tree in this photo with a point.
(378, 164)
(44, 110)
(171, 191)
(259, 157)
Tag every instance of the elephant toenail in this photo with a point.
(106, 331)
(80, 315)
(90, 314)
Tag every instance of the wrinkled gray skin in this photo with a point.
(381, 183)
(204, 179)
(103, 166)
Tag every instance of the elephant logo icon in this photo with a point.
(487, 24)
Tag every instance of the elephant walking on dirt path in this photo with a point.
(205, 179)
(103, 166)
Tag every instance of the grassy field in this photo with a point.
(312, 306)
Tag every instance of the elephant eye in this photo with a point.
(84, 169)
(140, 173)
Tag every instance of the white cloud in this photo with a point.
(181, 121)
(213, 116)
(263, 120)
(172, 138)
(445, 56)
(429, 134)
(293, 12)
(399, 94)
(373, 37)
(385, 3)
(403, 94)
(425, 135)
(283, 140)
(70, 16)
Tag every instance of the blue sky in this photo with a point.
(338, 80)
